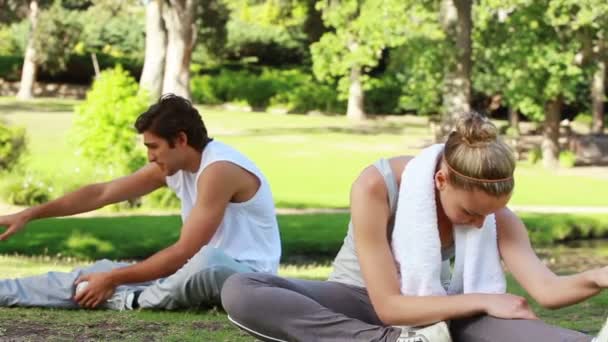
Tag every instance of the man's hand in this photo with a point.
(100, 288)
(14, 223)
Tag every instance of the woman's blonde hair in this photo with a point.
(477, 159)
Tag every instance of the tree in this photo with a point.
(361, 30)
(156, 44)
(457, 24)
(181, 36)
(530, 61)
(28, 72)
(587, 21)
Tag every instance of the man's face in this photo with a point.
(161, 153)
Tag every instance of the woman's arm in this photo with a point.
(370, 214)
(534, 276)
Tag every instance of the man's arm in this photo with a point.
(87, 198)
(533, 275)
(217, 185)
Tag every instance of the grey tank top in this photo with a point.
(346, 267)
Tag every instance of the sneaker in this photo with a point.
(602, 336)
(120, 300)
(437, 332)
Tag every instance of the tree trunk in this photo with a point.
(151, 78)
(457, 24)
(181, 37)
(550, 144)
(598, 91)
(355, 110)
(28, 73)
(514, 120)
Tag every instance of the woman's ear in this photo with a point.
(441, 179)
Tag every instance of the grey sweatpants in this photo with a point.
(197, 283)
(305, 310)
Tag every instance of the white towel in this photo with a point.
(417, 248)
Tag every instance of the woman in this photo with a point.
(362, 300)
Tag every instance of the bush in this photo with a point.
(567, 159)
(383, 97)
(103, 123)
(292, 88)
(12, 145)
(535, 155)
(584, 119)
(163, 198)
(30, 189)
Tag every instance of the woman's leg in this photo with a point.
(278, 309)
(487, 328)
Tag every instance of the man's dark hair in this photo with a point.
(169, 116)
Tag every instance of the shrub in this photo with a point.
(103, 124)
(163, 198)
(29, 189)
(535, 155)
(12, 145)
(294, 89)
(567, 159)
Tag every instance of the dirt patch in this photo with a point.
(209, 326)
(32, 331)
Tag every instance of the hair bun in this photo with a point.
(476, 130)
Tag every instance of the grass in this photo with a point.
(310, 161)
(193, 325)
(304, 236)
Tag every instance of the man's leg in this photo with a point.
(53, 289)
(272, 308)
(487, 328)
(198, 282)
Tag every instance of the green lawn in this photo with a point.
(310, 161)
(192, 325)
(314, 237)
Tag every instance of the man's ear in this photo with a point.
(181, 139)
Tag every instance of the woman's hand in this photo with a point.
(508, 306)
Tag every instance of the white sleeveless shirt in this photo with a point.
(249, 231)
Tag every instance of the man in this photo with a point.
(228, 215)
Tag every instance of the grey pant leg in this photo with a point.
(198, 282)
(53, 289)
(277, 309)
(491, 329)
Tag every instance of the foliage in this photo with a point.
(418, 67)
(272, 32)
(567, 159)
(535, 155)
(520, 53)
(163, 198)
(115, 29)
(12, 145)
(291, 88)
(27, 189)
(361, 31)
(8, 44)
(103, 123)
(55, 36)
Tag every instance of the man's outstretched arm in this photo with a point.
(87, 198)
(216, 186)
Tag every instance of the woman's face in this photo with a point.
(464, 207)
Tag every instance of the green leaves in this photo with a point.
(103, 126)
